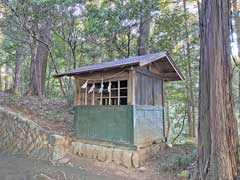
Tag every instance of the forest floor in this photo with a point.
(57, 116)
(53, 115)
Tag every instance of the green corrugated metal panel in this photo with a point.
(108, 123)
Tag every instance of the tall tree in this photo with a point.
(236, 12)
(191, 101)
(39, 58)
(217, 136)
(144, 28)
(17, 85)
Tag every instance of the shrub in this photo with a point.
(183, 161)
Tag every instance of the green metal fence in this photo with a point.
(108, 123)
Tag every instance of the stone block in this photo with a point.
(109, 154)
(101, 153)
(135, 160)
(94, 152)
(89, 151)
(58, 152)
(117, 156)
(83, 151)
(56, 139)
(127, 158)
(76, 147)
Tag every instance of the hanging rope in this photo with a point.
(102, 78)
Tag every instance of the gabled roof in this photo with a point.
(131, 61)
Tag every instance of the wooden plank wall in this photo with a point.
(148, 89)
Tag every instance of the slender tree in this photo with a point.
(191, 101)
(217, 136)
(17, 85)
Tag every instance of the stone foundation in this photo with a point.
(118, 155)
(20, 135)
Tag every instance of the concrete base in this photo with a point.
(119, 155)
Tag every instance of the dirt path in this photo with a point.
(22, 168)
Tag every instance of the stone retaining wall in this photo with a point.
(20, 135)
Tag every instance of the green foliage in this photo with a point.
(183, 161)
(180, 161)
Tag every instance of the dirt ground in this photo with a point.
(20, 167)
(23, 168)
(57, 116)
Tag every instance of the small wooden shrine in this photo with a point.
(121, 101)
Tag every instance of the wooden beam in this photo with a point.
(148, 73)
(118, 92)
(157, 67)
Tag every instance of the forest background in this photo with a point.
(40, 38)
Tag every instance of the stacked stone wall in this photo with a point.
(20, 135)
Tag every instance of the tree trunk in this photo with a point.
(39, 57)
(169, 123)
(144, 30)
(217, 136)
(129, 42)
(73, 46)
(191, 111)
(17, 86)
(1, 78)
(236, 11)
(239, 93)
(6, 79)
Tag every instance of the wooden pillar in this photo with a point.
(101, 98)
(86, 96)
(110, 94)
(119, 92)
(131, 86)
(93, 97)
(77, 92)
(164, 136)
